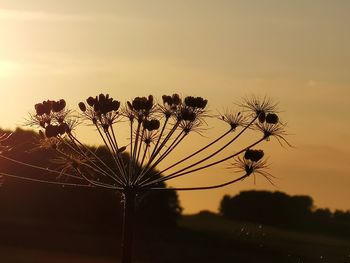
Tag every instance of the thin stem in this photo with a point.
(171, 132)
(115, 155)
(197, 152)
(172, 176)
(44, 181)
(181, 171)
(128, 225)
(140, 145)
(94, 166)
(131, 152)
(117, 148)
(200, 188)
(110, 151)
(39, 167)
(95, 183)
(133, 158)
(98, 158)
(160, 136)
(173, 145)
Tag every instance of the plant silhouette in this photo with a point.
(155, 131)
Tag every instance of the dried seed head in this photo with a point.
(171, 100)
(51, 131)
(47, 107)
(58, 106)
(253, 155)
(39, 108)
(82, 106)
(262, 116)
(167, 100)
(90, 101)
(188, 115)
(129, 105)
(272, 118)
(176, 99)
(151, 125)
(195, 102)
(260, 106)
(115, 105)
(61, 129)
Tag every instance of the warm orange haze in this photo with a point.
(296, 53)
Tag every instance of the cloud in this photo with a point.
(22, 15)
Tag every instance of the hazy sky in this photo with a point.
(297, 52)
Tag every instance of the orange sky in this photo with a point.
(297, 52)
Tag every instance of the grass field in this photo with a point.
(201, 238)
(287, 245)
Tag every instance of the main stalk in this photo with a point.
(128, 225)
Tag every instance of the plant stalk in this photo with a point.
(128, 225)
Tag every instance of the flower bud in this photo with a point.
(262, 116)
(167, 100)
(90, 101)
(121, 149)
(51, 131)
(188, 115)
(82, 106)
(272, 118)
(61, 129)
(39, 108)
(253, 155)
(47, 107)
(115, 105)
(176, 99)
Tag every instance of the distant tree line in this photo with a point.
(26, 201)
(283, 210)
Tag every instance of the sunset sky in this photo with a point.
(297, 52)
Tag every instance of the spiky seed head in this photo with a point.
(272, 118)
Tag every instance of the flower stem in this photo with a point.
(128, 225)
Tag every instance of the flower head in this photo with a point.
(253, 164)
(272, 129)
(170, 106)
(159, 129)
(234, 119)
(52, 117)
(260, 106)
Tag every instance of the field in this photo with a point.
(199, 238)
